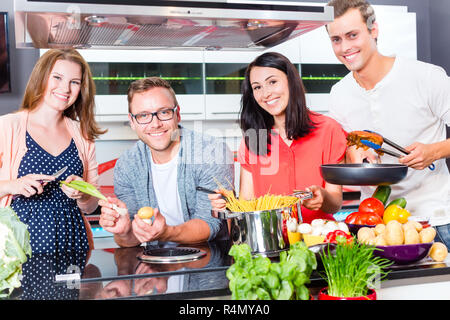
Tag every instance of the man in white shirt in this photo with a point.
(405, 100)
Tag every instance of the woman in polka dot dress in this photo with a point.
(54, 128)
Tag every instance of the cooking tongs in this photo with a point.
(378, 147)
(209, 191)
(302, 195)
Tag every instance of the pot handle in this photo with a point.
(228, 215)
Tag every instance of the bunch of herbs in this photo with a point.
(352, 268)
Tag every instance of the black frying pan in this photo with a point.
(363, 174)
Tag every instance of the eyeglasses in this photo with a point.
(147, 117)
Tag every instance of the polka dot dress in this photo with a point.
(39, 273)
(54, 220)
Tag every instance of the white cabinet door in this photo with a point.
(192, 106)
(397, 35)
(142, 56)
(315, 47)
(110, 108)
(318, 102)
(289, 48)
(222, 106)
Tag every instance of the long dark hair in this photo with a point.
(255, 119)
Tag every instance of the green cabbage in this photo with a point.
(14, 249)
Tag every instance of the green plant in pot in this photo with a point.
(351, 270)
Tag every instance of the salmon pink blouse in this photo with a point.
(297, 166)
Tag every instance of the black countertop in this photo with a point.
(118, 273)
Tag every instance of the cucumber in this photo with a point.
(400, 202)
(382, 193)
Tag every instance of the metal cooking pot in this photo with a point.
(264, 231)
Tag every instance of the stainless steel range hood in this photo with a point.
(163, 24)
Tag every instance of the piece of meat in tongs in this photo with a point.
(354, 139)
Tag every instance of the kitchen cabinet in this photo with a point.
(223, 106)
(205, 91)
(112, 80)
(223, 89)
(318, 79)
(207, 83)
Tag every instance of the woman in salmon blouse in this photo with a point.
(284, 143)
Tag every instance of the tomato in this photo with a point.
(351, 218)
(372, 205)
(370, 218)
(360, 219)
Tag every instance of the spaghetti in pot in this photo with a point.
(265, 202)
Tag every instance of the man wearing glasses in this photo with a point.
(162, 170)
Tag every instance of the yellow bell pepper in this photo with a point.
(294, 237)
(403, 216)
(311, 240)
(395, 212)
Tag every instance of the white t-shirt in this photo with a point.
(166, 190)
(411, 103)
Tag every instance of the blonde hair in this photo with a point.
(83, 109)
(145, 84)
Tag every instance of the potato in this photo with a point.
(438, 251)
(370, 241)
(379, 229)
(394, 233)
(427, 235)
(365, 234)
(411, 236)
(380, 241)
(412, 224)
(146, 213)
